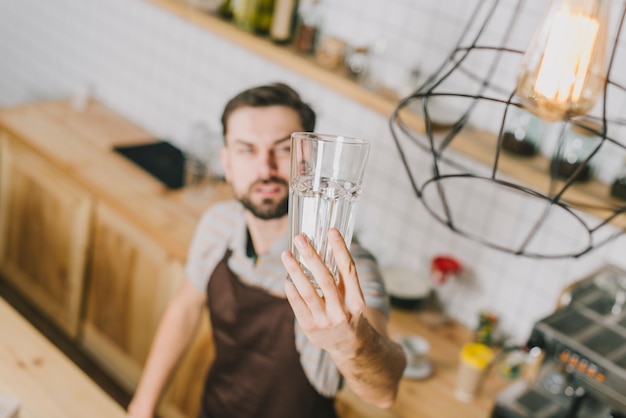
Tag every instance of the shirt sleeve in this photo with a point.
(370, 278)
(210, 241)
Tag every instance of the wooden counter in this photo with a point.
(47, 384)
(80, 143)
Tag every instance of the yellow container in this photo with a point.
(474, 359)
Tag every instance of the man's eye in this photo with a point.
(246, 150)
(284, 150)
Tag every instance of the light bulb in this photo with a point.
(563, 71)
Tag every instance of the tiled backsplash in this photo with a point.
(166, 74)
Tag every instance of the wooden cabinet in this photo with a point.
(182, 400)
(131, 280)
(45, 220)
(94, 242)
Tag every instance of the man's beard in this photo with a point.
(268, 208)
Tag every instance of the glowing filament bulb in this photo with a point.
(563, 69)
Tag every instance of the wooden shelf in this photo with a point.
(590, 197)
(283, 55)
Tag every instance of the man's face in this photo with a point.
(256, 158)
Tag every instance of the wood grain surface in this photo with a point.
(46, 383)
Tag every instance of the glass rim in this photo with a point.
(331, 138)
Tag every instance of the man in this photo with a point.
(282, 350)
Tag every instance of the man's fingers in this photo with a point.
(301, 283)
(298, 305)
(321, 274)
(347, 272)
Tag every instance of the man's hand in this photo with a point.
(328, 320)
(334, 321)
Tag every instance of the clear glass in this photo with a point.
(564, 68)
(201, 151)
(324, 190)
(578, 144)
(523, 133)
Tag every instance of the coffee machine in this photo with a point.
(583, 346)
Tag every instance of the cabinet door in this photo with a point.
(131, 280)
(45, 223)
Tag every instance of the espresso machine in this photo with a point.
(583, 346)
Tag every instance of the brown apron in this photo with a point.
(257, 370)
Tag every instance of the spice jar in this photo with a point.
(523, 133)
(310, 16)
(357, 62)
(578, 143)
(485, 330)
(330, 52)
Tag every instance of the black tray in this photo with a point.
(161, 159)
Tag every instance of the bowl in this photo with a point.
(406, 289)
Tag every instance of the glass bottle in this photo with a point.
(264, 12)
(225, 10)
(244, 14)
(283, 19)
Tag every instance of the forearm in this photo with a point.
(374, 365)
(173, 336)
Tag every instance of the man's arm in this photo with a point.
(176, 329)
(339, 322)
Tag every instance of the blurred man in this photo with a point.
(282, 350)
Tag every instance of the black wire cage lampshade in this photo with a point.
(568, 77)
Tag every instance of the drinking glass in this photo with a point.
(324, 189)
(201, 148)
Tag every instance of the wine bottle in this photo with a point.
(244, 14)
(281, 30)
(264, 13)
(225, 10)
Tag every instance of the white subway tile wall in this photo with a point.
(166, 74)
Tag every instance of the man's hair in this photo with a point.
(276, 94)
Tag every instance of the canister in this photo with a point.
(474, 359)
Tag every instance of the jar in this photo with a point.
(618, 187)
(330, 52)
(523, 133)
(357, 62)
(307, 30)
(485, 330)
(474, 359)
(578, 143)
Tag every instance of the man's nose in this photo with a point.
(267, 165)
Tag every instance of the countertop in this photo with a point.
(52, 128)
(46, 383)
